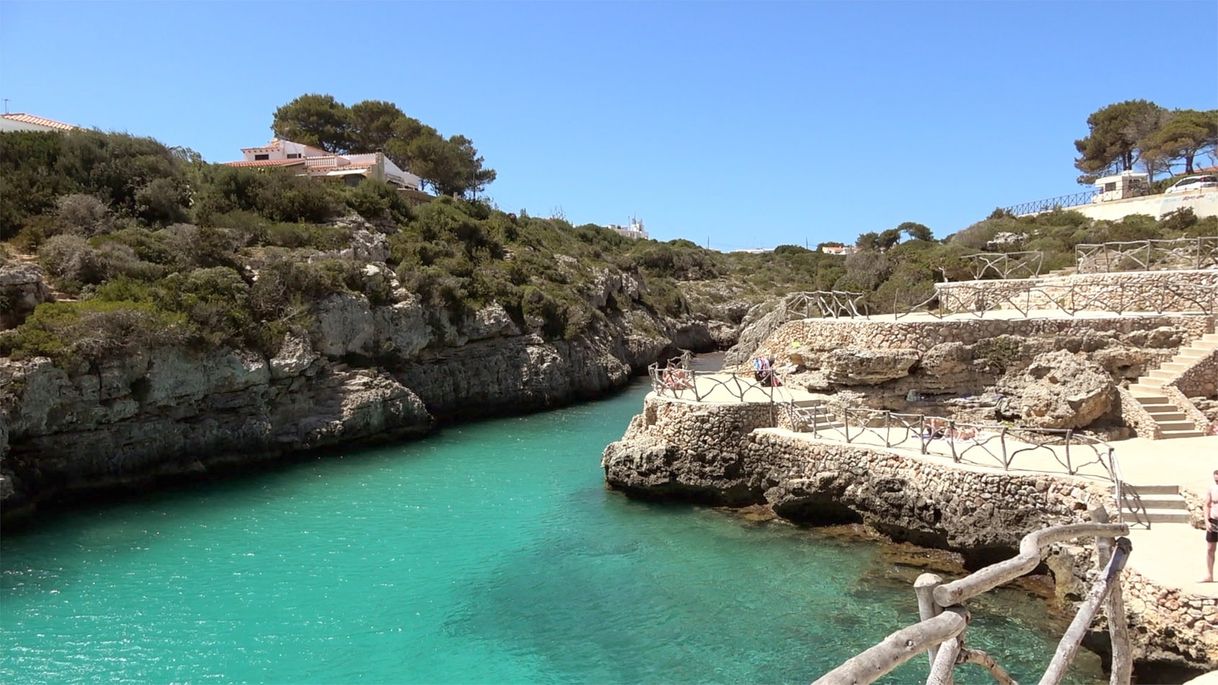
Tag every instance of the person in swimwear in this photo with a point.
(1211, 528)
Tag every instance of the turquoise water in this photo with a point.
(490, 553)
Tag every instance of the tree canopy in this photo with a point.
(1114, 134)
(451, 166)
(1185, 134)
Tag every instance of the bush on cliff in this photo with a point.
(92, 331)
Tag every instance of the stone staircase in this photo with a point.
(1159, 504)
(1148, 391)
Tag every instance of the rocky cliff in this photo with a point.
(361, 372)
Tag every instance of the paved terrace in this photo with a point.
(1169, 554)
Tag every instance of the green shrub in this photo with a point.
(92, 330)
(82, 214)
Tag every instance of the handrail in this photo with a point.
(677, 380)
(944, 618)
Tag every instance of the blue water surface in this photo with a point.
(489, 553)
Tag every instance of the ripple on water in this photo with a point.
(490, 552)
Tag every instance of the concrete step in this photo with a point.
(1151, 490)
(1175, 426)
(1151, 381)
(1177, 367)
(1163, 374)
(1149, 400)
(1168, 435)
(1164, 516)
(1194, 352)
(1163, 503)
(1162, 417)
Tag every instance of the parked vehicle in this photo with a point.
(1193, 183)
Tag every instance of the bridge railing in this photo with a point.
(940, 633)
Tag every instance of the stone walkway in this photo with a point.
(1169, 554)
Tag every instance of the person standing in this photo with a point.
(1211, 527)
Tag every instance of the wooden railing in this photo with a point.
(1148, 255)
(835, 304)
(1068, 299)
(676, 379)
(944, 618)
(1005, 265)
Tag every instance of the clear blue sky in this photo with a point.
(748, 124)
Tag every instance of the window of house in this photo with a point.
(294, 155)
(1109, 187)
(258, 158)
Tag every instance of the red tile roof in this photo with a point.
(39, 121)
(265, 162)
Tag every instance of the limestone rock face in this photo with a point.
(1060, 390)
(760, 322)
(492, 321)
(295, 356)
(22, 288)
(367, 246)
(173, 410)
(853, 366)
(345, 325)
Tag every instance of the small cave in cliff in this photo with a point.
(817, 511)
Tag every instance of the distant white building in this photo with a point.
(306, 160)
(635, 230)
(839, 249)
(20, 121)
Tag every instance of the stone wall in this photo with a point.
(922, 335)
(726, 454)
(1201, 379)
(1134, 291)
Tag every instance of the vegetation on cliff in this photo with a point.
(147, 244)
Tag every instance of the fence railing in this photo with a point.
(835, 304)
(1069, 299)
(983, 443)
(676, 379)
(940, 633)
(1148, 255)
(1060, 202)
(1005, 264)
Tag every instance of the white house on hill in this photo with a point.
(306, 160)
(19, 121)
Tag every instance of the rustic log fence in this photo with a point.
(1148, 255)
(1069, 299)
(994, 443)
(676, 379)
(940, 633)
(825, 304)
(1005, 265)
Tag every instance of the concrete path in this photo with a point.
(1172, 555)
(729, 388)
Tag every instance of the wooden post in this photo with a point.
(980, 658)
(1114, 608)
(924, 588)
(945, 661)
(899, 647)
(1086, 613)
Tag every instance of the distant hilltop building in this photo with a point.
(839, 249)
(20, 121)
(635, 230)
(306, 160)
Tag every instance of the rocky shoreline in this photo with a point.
(362, 374)
(743, 455)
